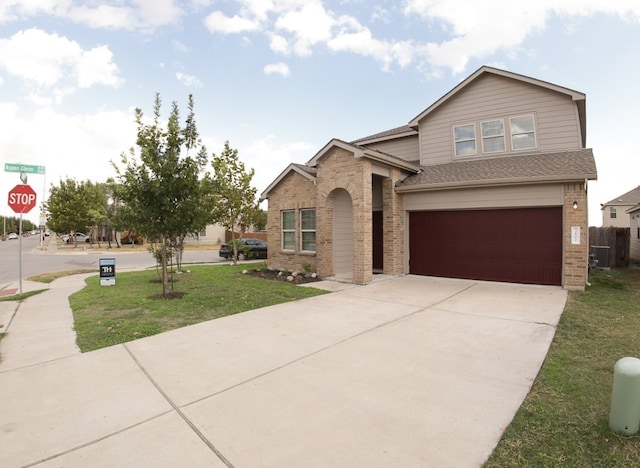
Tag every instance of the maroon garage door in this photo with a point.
(517, 245)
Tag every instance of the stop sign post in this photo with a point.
(22, 198)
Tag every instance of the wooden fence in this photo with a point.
(610, 246)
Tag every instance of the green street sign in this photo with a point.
(27, 169)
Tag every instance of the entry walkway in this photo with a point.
(409, 371)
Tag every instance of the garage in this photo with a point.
(511, 245)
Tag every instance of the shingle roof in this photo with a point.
(387, 133)
(632, 197)
(529, 168)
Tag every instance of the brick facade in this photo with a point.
(295, 192)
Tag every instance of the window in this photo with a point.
(289, 230)
(308, 230)
(612, 212)
(493, 136)
(465, 139)
(523, 134)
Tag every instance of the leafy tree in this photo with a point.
(161, 193)
(236, 205)
(73, 205)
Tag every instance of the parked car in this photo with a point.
(13, 235)
(80, 237)
(248, 249)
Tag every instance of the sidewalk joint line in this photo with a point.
(179, 411)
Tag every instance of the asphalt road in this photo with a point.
(37, 261)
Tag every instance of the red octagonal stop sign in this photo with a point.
(22, 199)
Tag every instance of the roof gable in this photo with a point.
(632, 197)
(363, 152)
(305, 171)
(576, 96)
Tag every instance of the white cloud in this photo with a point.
(471, 29)
(279, 68)
(189, 80)
(44, 60)
(144, 15)
(217, 22)
(261, 154)
(279, 44)
(478, 29)
(310, 25)
(79, 146)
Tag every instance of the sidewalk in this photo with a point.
(39, 329)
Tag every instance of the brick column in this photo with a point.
(574, 271)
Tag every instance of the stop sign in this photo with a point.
(22, 199)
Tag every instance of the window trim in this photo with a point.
(474, 139)
(284, 231)
(503, 136)
(613, 212)
(534, 131)
(303, 230)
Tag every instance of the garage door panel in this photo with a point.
(515, 245)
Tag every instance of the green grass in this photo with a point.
(20, 297)
(564, 419)
(108, 315)
(50, 277)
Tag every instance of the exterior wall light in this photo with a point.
(575, 205)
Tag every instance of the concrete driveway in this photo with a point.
(404, 372)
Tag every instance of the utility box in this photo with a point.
(107, 271)
(602, 254)
(624, 417)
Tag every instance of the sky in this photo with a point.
(279, 79)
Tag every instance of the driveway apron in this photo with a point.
(406, 371)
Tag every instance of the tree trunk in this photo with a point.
(163, 261)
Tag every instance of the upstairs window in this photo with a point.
(523, 134)
(308, 230)
(493, 136)
(613, 212)
(289, 230)
(465, 140)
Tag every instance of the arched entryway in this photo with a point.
(342, 234)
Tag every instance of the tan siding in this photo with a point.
(490, 197)
(405, 148)
(493, 97)
(342, 234)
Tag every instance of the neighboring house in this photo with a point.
(213, 234)
(634, 237)
(489, 183)
(614, 212)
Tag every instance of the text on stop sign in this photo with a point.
(22, 199)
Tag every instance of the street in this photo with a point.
(36, 261)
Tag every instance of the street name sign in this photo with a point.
(26, 168)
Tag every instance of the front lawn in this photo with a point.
(108, 315)
(564, 420)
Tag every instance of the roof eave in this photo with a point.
(493, 183)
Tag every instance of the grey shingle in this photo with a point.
(569, 165)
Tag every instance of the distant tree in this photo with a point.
(161, 192)
(72, 205)
(236, 205)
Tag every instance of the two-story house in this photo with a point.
(488, 183)
(614, 212)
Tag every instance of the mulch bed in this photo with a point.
(277, 275)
